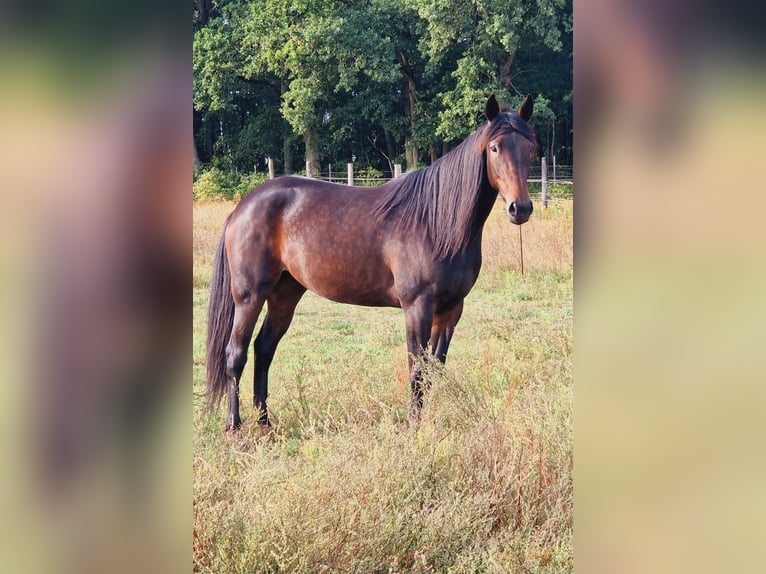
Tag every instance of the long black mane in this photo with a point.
(443, 200)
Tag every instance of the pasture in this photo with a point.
(342, 483)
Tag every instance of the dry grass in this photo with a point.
(343, 484)
(546, 240)
(208, 224)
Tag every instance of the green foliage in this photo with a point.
(208, 186)
(334, 80)
(560, 190)
(478, 42)
(197, 171)
(247, 183)
(543, 111)
(555, 190)
(368, 176)
(219, 184)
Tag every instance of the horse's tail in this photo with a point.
(220, 318)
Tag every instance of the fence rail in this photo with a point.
(540, 173)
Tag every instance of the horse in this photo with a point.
(412, 243)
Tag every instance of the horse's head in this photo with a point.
(509, 143)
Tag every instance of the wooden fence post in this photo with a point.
(397, 170)
(308, 169)
(350, 167)
(271, 168)
(544, 182)
(329, 172)
(554, 168)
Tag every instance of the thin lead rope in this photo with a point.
(521, 252)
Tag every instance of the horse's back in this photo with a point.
(320, 233)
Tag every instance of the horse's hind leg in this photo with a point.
(245, 317)
(281, 308)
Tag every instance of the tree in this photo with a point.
(478, 41)
(375, 80)
(238, 113)
(328, 57)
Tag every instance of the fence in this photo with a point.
(556, 182)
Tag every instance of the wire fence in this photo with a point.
(557, 173)
(560, 175)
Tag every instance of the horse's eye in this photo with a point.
(493, 148)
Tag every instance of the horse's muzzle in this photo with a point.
(519, 211)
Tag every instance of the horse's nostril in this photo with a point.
(519, 211)
(522, 209)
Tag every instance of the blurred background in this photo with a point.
(95, 227)
(669, 286)
(95, 237)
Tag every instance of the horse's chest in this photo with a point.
(454, 282)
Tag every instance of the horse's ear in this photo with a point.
(492, 108)
(525, 109)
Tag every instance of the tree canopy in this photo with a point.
(377, 82)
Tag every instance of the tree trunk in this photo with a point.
(410, 96)
(410, 154)
(432, 149)
(287, 151)
(390, 147)
(204, 11)
(505, 73)
(312, 150)
(287, 146)
(553, 138)
(210, 138)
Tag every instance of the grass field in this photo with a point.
(341, 483)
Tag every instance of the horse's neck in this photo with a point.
(484, 206)
(486, 203)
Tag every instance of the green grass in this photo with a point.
(342, 483)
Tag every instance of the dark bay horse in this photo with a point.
(413, 243)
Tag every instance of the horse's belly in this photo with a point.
(366, 297)
(343, 288)
(359, 279)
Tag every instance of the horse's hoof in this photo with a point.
(233, 427)
(263, 418)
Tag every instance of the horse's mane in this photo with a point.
(441, 199)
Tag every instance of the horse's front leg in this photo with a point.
(418, 317)
(443, 328)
